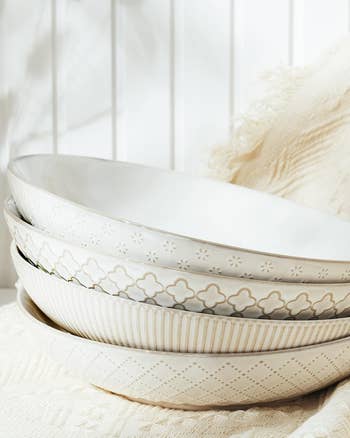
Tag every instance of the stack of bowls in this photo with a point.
(175, 290)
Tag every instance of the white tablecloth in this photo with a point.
(39, 399)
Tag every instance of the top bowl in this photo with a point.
(176, 220)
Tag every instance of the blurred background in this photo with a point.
(149, 81)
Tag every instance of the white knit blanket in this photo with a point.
(295, 141)
(39, 399)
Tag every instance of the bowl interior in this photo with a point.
(195, 207)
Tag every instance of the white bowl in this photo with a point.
(124, 322)
(172, 288)
(192, 381)
(146, 214)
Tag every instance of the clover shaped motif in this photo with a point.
(193, 304)
(82, 277)
(343, 306)
(108, 286)
(94, 271)
(180, 291)
(299, 304)
(211, 296)
(324, 304)
(135, 293)
(271, 302)
(67, 260)
(242, 300)
(121, 278)
(48, 254)
(150, 285)
(164, 300)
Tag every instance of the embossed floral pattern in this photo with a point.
(215, 270)
(169, 246)
(168, 288)
(202, 254)
(183, 264)
(235, 261)
(121, 248)
(152, 256)
(296, 271)
(247, 275)
(145, 245)
(137, 238)
(323, 273)
(345, 276)
(267, 266)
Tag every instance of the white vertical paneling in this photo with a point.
(178, 69)
(318, 24)
(83, 77)
(149, 81)
(202, 79)
(261, 42)
(25, 95)
(114, 77)
(28, 121)
(144, 106)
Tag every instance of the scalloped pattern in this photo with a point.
(180, 289)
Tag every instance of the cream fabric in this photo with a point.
(39, 399)
(295, 143)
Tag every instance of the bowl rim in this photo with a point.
(11, 169)
(23, 296)
(252, 281)
(16, 253)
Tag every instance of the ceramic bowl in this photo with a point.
(173, 220)
(191, 381)
(124, 322)
(209, 293)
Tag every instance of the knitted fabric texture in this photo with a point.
(295, 142)
(39, 399)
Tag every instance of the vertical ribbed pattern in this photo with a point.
(115, 320)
